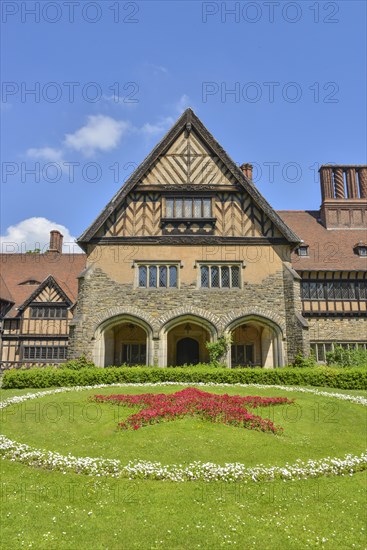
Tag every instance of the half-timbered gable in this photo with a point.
(38, 291)
(187, 250)
(188, 187)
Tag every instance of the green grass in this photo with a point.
(314, 427)
(42, 509)
(50, 510)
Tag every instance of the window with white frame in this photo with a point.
(195, 207)
(220, 276)
(157, 275)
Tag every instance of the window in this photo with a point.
(134, 354)
(49, 312)
(30, 282)
(302, 250)
(219, 276)
(34, 353)
(334, 290)
(361, 249)
(188, 207)
(320, 349)
(242, 354)
(157, 276)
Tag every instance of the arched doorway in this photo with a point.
(122, 340)
(256, 341)
(184, 340)
(187, 351)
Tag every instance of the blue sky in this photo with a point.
(107, 91)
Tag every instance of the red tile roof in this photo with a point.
(19, 268)
(4, 291)
(329, 249)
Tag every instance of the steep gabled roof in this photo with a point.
(17, 268)
(188, 121)
(49, 281)
(4, 291)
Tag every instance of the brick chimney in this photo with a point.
(247, 170)
(344, 196)
(56, 241)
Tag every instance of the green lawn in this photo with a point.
(52, 510)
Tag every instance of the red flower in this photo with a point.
(228, 409)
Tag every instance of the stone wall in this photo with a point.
(297, 326)
(100, 297)
(338, 329)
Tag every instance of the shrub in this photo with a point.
(345, 378)
(303, 361)
(218, 349)
(343, 357)
(76, 364)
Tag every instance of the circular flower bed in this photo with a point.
(208, 471)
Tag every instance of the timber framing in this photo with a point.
(192, 240)
(50, 281)
(186, 123)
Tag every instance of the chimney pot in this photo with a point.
(247, 170)
(56, 241)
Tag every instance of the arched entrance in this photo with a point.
(183, 340)
(256, 341)
(122, 340)
(187, 351)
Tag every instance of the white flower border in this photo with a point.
(208, 471)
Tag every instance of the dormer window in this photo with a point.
(302, 250)
(187, 207)
(30, 282)
(361, 249)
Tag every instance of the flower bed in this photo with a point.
(228, 409)
(208, 471)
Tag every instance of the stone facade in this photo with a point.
(338, 329)
(273, 301)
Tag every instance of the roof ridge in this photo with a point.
(188, 119)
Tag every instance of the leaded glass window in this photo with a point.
(220, 276)
(205, 276)
(157, 276)
(187, 207)
(152, 276)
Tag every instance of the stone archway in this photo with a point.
(256, 341)
(123, 339)
(182, 329)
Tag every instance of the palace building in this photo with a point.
(189, 250)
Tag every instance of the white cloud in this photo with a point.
(101, 133)
(161, 126)
(46, 153)
(35, 233)
(182, 104)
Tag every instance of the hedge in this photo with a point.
(352, 378)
